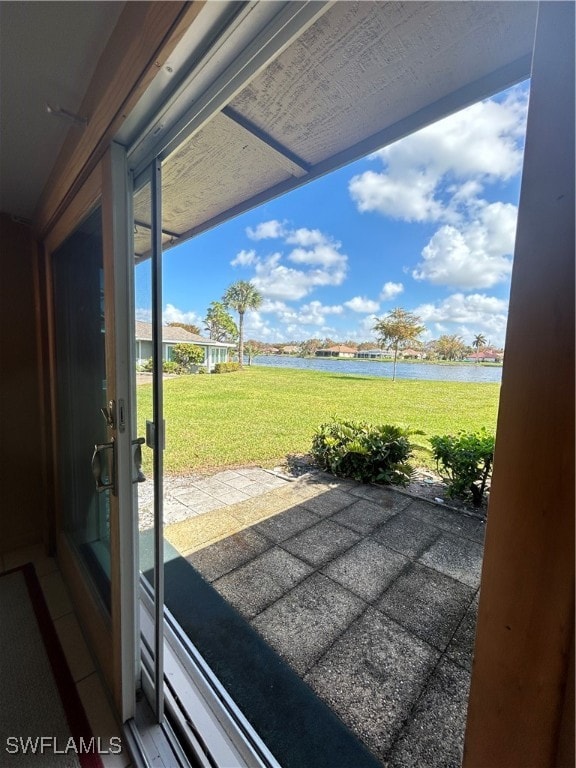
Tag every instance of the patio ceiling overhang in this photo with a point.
(313, 86)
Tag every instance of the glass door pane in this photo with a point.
(78, 284)
(148, 420)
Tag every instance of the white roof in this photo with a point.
(176, 335)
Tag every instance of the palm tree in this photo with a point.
(479, 341)
(242, 296)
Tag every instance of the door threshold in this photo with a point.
(203, 724)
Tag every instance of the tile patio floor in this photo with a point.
(369, 594)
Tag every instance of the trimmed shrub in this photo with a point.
(464, 462)
(226, 367)
(365, 452)
(186, 356)
(168, 366)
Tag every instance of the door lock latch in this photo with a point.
(109, 414)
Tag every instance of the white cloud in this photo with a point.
(409, 196)
(391, 290)
(311, 314)
(172, 314)
(266, 230)
(477, 254)
(452, 159)
(289, 324)
(326, 255)
(306, 237)
(244, 258)
(467, 315)
(366, 329)
(255, 326)
(361, 304)
(143, 315)
(275, 281)
(268, 306)
(315, 313)
(318, 257)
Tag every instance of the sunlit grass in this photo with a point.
(260, 415)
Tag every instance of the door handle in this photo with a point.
(137, 474)
(103, 464)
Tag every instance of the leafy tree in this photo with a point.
(430, 350)
(190, 327)
(397, 330)
(219, 323)
(308, 348)
(450, 347)
(242, 296)
(187, 355)
(252, 348)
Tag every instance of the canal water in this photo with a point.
(466, 372)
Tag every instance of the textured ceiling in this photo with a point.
(359, 72)
(364, 66)
(362, 75)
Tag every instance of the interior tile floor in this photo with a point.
(80, 661)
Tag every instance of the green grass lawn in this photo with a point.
(260, 415)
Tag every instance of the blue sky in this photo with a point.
(426, 223)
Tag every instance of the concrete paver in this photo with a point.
(229, 553)
(304, 623)
(252, 587)
(363, 516)
(461, 648)
(407, 534)
(368, 594)
(427, 603)
(386, 498)
(328, 502)
(372, 677)
(366, 569)
(439, 714)
(450, 521)
(287, 524)
(321, 542)
(456, 557)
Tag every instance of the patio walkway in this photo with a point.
(368, 594)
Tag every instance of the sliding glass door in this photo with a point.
(95, 459)
(81, 395)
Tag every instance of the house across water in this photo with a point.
(338, 350)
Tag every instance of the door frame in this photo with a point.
(111, 634)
